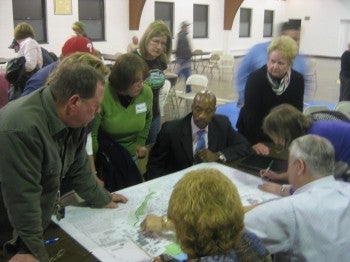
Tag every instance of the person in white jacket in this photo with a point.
(28, 47)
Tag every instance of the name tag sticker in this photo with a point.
(141, 108)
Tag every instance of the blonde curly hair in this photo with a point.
(286, 46)
(207, 213)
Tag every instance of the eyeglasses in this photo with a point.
(138, 82)
(158, 42)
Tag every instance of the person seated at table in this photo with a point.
(209, 223)
(285, 123)
(271, 85)
(313, 223)
(123, 124)
(201, 136)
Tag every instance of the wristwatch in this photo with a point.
(222, 157)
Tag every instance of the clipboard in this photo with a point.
(258, 162)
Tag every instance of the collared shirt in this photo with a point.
(195, 129)
(30, 49)
(311, 225)
(37, 151)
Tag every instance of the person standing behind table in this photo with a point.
(133, 45)
(122, 126)
(31, 51)
(155, 48)
(201, 136)
(344, 76)
(42, 78)
(209, 223)
(42, 140)
(312, 224)
(183, 54)
(258, 55)
(273, 84)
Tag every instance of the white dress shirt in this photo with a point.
(311, 225)
(30, 49)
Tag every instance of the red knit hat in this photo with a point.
(77, 44)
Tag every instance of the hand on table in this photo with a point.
(261, 149)
(270, 187)
(207, 156)
(152, 224)
(273, 176)
(115, 199)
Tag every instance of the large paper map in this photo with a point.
(114, 234)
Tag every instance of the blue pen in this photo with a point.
(49, 241)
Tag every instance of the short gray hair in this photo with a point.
(74, 78)
(317, 153)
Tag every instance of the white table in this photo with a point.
(114, 234)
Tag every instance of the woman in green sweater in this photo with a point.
(124, 120)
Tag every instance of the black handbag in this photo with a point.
(17, 76)
(15, 69)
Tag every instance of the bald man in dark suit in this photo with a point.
(177, 144)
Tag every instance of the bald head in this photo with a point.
(203, 108)
(205, 95)
(135, 40)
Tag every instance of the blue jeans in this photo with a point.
(185, 72)
(154, 130)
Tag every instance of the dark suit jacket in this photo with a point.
(260, 99)
(173, 148)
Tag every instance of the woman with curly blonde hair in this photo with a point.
(206, 213)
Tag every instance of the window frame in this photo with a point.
(20, 14)
(247, 20)
(169, 8)
(196, 31)
(87, 19)
(268, 23)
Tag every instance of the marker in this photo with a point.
(50, 241)
(267, 169)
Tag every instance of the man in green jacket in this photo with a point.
(42, 140)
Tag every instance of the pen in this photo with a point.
(49, 241)
(267, 169)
